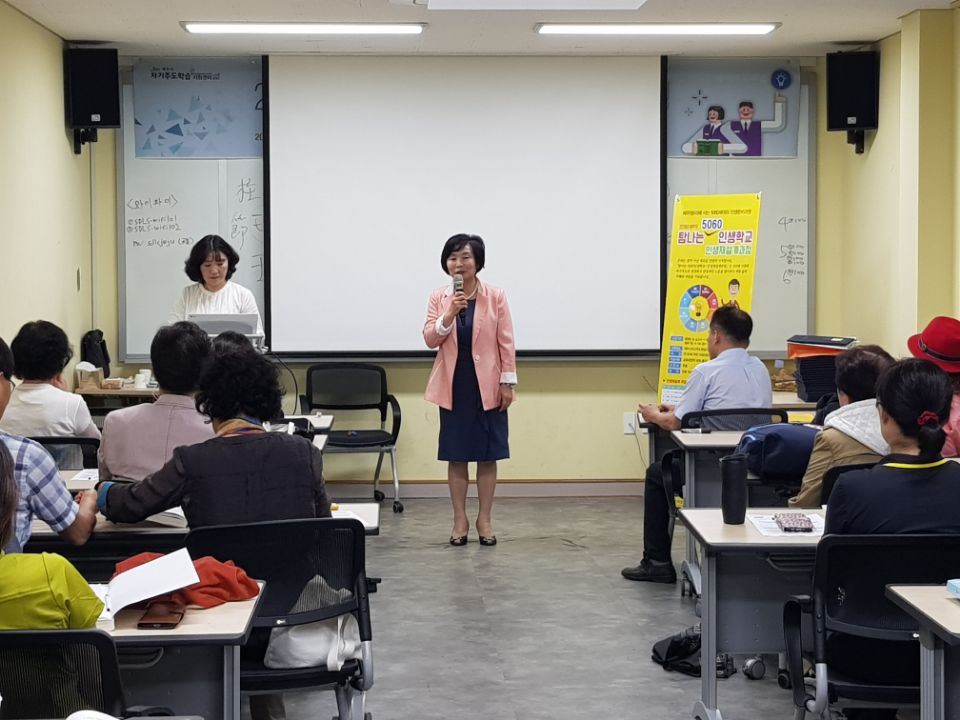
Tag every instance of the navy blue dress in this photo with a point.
(468, 433)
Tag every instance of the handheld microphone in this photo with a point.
(458, 287)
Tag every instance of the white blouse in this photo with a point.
(230, 299)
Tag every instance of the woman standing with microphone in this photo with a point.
(472, 379)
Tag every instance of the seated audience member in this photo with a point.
(911, 490)
(940, 344)
(730, 379)
(232, 340)
(851, 434)
(41, 491)
(38, 591)
(242, 475)
(139, 440)
(41, 406)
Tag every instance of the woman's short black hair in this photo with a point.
(460, 241)
(40, 351)
(202, 249)
(239, 384)
(7, 366)
(717, 109)
(232, 340)
(916, 394)
(9, 496)
(179, 353)
(858, 370)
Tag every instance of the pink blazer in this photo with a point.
(494, 355)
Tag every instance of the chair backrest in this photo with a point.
(314, 568)
(52, 673)
(852, 572)
(831, 476)
(60, 447)
(346, 386)
(732, 418)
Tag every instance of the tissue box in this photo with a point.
(953, 586)
(89, 379)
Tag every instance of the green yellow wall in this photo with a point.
(45, 197)
(886, 250)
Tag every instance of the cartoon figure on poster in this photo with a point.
(754, 129)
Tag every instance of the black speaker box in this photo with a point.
(853, 90)
(91, 79)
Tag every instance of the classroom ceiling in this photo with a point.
(808, 27)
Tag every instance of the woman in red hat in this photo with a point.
(940, 344)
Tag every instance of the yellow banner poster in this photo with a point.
(713, 247)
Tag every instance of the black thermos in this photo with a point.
(733, 488)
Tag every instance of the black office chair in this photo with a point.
(52, 673)
(848, 606)
(64, 451)
(290, 556)
(831, 476)
(347, 386)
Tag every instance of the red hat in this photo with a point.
(939, 343)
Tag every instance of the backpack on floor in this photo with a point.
(680, 652)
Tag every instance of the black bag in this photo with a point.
(680, 652)
(93, 349)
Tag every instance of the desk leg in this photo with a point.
(931, 677)
(231, 682)
(691, 567)
(706, 708)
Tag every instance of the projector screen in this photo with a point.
(375, 161)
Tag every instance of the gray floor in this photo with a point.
(541, 626)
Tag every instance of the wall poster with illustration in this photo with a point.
(748, 126)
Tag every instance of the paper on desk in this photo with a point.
(347, 514)
(767, 526)
(157, 577)
(90, 474)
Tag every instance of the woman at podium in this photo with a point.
(211, 264)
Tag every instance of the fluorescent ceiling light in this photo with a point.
(658, 29)
(595, 5)
(279, 28)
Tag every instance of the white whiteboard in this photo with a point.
(784, 276)
(376, 161)
(165, 205)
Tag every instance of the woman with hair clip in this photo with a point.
(911, 490)
(38, 591)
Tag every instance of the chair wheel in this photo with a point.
(783, 679)
(754, 668)
(378, 496)
(397, 506)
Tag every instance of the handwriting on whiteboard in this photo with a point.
(794, 258)
(785, 222)
(246, 221)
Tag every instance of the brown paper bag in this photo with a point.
(89, 379)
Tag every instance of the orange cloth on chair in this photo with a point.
(220, 582)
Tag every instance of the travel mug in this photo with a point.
(733, 488)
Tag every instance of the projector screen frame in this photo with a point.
(427, 354)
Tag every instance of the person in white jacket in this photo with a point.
(851, 434)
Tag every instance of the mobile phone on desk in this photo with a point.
(161, 616)
(695, 431)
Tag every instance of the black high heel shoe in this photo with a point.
(461, 540)
(488, 541)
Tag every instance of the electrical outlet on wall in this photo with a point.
(629, 423)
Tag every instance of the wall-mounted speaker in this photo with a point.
(91, 80)
(853, 93)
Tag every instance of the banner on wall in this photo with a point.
(713, 250)
(198, 108)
